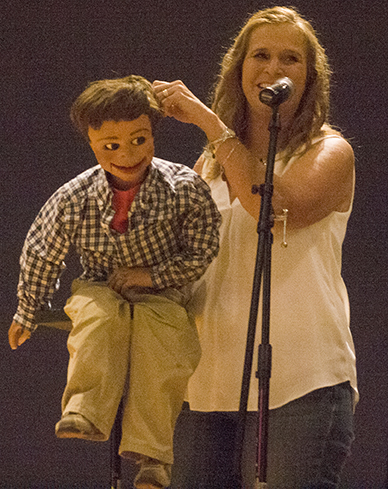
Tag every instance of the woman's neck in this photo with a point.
(259, 135)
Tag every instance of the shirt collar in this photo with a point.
(102, 190)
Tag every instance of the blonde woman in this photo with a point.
(313, 386)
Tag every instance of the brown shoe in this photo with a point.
(153, 474)
(74, 425)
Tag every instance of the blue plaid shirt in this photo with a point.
(173, 228)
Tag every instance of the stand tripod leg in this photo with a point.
(262, 274)
(115, 460)
(264, 367)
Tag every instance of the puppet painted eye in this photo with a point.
(138, 141)
(112, 146)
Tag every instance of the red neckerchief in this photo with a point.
(121, 203)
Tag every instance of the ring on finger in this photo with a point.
(165, 93)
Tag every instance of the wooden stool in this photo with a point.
(57, 318)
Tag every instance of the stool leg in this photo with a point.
(115, 459)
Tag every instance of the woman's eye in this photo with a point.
(291, 59)
(112, 146)
(139, 141)
(261, 55)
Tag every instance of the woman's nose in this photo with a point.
(274, 68)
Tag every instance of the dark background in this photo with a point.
(49, 51)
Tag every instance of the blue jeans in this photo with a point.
(309, 441)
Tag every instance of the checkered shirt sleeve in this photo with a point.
(196, 232)
(42, 259)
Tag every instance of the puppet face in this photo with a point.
(124, 149)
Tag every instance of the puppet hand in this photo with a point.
(124, 278)
(17, 335)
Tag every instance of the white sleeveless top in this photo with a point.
(312, 346)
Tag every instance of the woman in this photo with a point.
(313, 384)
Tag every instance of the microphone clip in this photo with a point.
(277, 93)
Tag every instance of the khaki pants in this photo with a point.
(143, 350)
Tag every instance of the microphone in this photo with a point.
(277, 93)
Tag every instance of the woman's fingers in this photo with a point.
(179, 102)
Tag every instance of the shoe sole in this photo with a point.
(147, 486)
(80, 435)
(70, 431)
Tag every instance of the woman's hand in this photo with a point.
(181, 104)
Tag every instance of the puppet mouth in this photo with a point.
(129, 169)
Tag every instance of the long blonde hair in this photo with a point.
(311, 117)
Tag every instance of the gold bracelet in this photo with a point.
(223, 176)
(211, 148)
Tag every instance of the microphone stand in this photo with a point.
(262, 275)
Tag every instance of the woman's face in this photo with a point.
(274, 51)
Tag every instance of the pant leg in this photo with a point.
(99, 353)
(309, 441)
(341, 436)
(164, 353)
(204, 444)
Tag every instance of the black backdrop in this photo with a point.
(50, 49)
